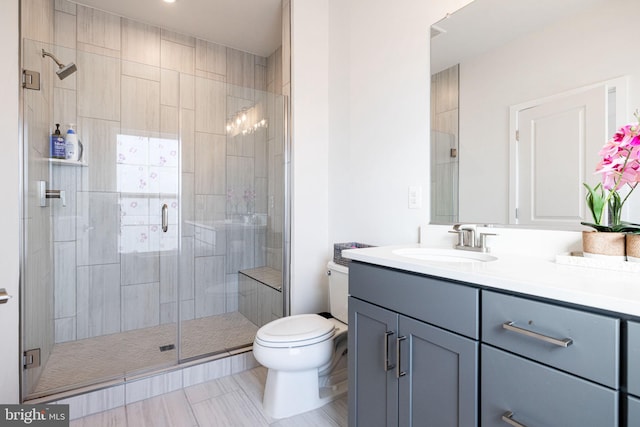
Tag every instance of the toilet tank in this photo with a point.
(338, 291)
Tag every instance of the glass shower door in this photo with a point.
(233, 192)
(100, 261)
(37, 268)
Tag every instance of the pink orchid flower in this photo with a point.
(620, 163)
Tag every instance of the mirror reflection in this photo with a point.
(524, 95)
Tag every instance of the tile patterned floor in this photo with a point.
(232, 401)
(83, 362)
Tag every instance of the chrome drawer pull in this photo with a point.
(507, 417)
(387, 366)
(399, 371)
(561, 342)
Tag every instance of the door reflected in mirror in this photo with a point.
(493, 60)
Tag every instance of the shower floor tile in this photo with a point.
(87, 361)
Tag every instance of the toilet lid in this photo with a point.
(301, 329)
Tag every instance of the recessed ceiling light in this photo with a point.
(169, 1)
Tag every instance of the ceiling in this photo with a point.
(485, 24)
(252, 26)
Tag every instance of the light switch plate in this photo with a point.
(415, 197)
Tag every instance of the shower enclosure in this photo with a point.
(163, 243)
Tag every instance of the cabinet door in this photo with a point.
(633, 358)
(438, 376)
(373, 387)
(517, 389)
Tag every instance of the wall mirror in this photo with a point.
(492, 63)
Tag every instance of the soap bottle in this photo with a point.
(71, 148)
(57, 148)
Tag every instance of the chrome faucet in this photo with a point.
(468, 239)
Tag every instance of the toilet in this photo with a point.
(305, 354)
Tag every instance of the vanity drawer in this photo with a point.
(441, 303)
(593, 352)
(537, 395)
(633, 358)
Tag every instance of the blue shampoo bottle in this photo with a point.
(57, 144)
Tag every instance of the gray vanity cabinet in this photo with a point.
(405, 367)
(415, 342)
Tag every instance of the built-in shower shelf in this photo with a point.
(67, 162)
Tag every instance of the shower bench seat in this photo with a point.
(260, 294)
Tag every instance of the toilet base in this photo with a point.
(289, 393)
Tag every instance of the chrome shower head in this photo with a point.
(64, 71)
(67, 70)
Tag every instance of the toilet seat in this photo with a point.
(295, 331)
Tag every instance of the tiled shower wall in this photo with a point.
(141, 87)
(444, 139)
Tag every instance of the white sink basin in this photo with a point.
(444, 255)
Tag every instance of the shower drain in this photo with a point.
(167, 347)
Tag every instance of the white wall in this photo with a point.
(387, 120)
(9, 214)
(533, 67)
(360, 99)
(381, 123)
(309, 102)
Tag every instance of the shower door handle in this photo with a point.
(165, 217)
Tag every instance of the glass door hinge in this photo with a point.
(31, 358)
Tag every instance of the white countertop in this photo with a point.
(541, 277)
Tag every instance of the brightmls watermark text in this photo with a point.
(34, 415)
